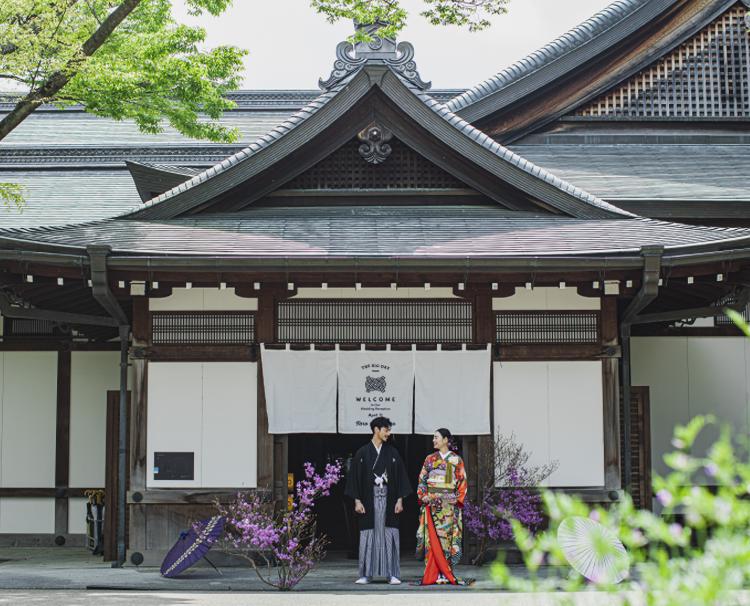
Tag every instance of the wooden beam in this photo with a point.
(197, 353)
(47, 344)
(141, 339)
(154, 496)
(30, 492)
(62, 440)
(265, 327)
(587, 351)
(611, 419)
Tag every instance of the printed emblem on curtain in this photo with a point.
(375, 384)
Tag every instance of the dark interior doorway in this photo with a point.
(336, 516)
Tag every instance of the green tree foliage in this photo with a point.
(130, 59)
(696, 552)
(473, 14)
(120, 59)
(11, 195)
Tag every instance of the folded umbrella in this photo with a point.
(192, 545)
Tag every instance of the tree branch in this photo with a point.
(57, 80)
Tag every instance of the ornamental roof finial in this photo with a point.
(350, 57)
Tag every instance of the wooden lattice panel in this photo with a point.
(346, 169)
(707, 76)
(546, 327)
(375, 321)
(202, 327)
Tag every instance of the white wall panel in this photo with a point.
(717, 384)
(93, 373)
(210, 409)
(77, 515)
(2, 388)
(545, 297)
(661, 364)
(27, 515)
(688, 376)
(576, 419)
(229, 443)
(203, 299)
(174, 415)
(555, 409)
(522, 406)
(29, 405)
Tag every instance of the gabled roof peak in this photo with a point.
(377, 49)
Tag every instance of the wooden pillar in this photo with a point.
(62, 443)
(273, 450)
(138, 456)
(265, 330)
(611, 396)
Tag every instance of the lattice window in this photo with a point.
(709, 76)
(547, 327)
(202, 327)
(19, 327)
(724, 320)
(346, 169)
(374, 321)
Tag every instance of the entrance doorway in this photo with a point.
(336, 517)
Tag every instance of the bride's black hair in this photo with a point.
(446, 433)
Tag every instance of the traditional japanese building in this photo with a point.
(583, 214)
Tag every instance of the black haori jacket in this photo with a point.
(360, 482)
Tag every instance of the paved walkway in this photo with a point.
(77, 569)
(445, 598)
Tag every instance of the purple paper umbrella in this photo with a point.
(192, 545)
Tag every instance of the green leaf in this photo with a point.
(11, 196)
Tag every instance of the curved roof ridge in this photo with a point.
(513, 158)
(260, 143)
(574, 38)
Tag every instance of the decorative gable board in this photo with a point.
(347, 169)
(708, 76)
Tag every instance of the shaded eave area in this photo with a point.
(375, 92)
(609, 47)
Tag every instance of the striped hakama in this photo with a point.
(379, 547)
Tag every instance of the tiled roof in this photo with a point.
(375, 231)
(575, 201)
(649, 172)
(59, 197)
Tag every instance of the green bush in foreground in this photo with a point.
(697, 552)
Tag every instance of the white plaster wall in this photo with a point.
(688, 376)
(27, 515)
(77, 515)
(203, 299)
(175, 411)
(210, 409)
(93, 373)
(229, 437)
(28, 421)
(543, 298)
(555, 409)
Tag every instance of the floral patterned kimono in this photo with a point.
(440, 522)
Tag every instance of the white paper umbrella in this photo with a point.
(593, 550)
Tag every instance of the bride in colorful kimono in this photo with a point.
(441, 493)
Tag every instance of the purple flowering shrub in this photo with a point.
(508, 491)
(281, 546)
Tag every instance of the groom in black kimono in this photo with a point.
(378, 483)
